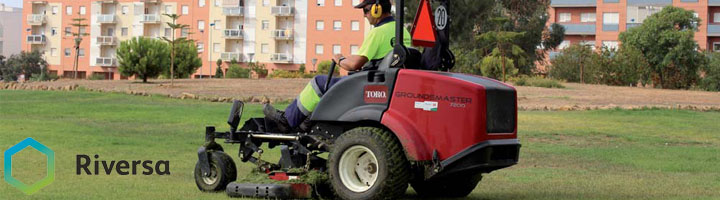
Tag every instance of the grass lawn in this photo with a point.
(611, 154)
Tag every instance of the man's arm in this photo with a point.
(352, 62)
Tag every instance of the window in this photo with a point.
(217, 3)
(82, 30)
(201, 25)
(319, 25)
(53, 31)
(587, 17)
(184, 32)
(321, 2)
(168, 32)
(200, 47)
(564, 44)
(337, 49)
(716, 47)
(82, 10)
(217, 25)
(216, 47)
(53, 52)
(716, 17)
(355, 2)
(265, 24)
(68, 52)
(68, 31)
(264, 48)
(110, 32)
(319, 49)
(168, 10)
(125, 10)
(55, 10)
(124, 31)
(610, 44)
(185, 10)
(564, 17)
(338, 2)
(68, 10)
(589, 43)
(638, 14)
(82, 52)
(266, 2)
(201, 3)
(355, 25)
(354, 49)
(611, 18)
(337, 25)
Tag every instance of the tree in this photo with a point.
(173, 41)
(567, 64)
(553, 37)
(504, 52)
(711, 74)
(186, 60)
(236, 71)
(219, 72)
(26, 63)
(621, 67)
(142, 57)
(667, 41)
(78, 23)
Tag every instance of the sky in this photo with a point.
(12, 3)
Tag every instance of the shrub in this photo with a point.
(566, 66)
(143, 57)
(711, 74)
(537, 82)
(235, 71)
(324, 67)
(28, 63)
(259, 69)
(620, 67)
(278, 73)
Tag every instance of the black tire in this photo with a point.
(449, 187)
(222, 169)
(392, 170)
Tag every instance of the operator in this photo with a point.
(377, 44)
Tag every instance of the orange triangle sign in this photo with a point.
(423, 32)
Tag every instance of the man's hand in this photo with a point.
(351, 63)
(337, 57)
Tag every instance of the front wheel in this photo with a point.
(222, 172)
(368, 163)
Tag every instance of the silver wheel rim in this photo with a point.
(358, 168)
(212, 178)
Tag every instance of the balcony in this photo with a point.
(36, 19)
(106, 40)
(713, 2)
(713, 30)
(150, 1)
(283, 34)
(281, 57)
(283, 11)
(573, 3)
(105, 62)
(233, 34)
(106, 19)
(36, 39)
(229, 56)
(38, 2)
(579, 29)
(150, 19)
(233, 11)
(649, 2)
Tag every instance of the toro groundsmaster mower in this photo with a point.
(393, 124)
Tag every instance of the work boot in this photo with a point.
(306, 125)
(276, 116)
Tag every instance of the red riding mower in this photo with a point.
(384, 128)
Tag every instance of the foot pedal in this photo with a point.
(279, 191)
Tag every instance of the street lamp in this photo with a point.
(314, 62)
(26, 41)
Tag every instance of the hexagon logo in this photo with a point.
(30, 189)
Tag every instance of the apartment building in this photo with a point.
(10, 30)
(600, 22)
(282, 34)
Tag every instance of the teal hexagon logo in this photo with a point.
(30, 189)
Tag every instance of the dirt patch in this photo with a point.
(574, 97)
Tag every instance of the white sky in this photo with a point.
(12, 3)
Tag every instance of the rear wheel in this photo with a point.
(222, 172)
(448, 187)
(368, 163)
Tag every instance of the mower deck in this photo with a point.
(280, 191)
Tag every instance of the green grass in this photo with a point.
(609, 154)
(538, 82)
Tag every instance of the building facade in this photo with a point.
(10, 30)
(282, 34)
(600, 22)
